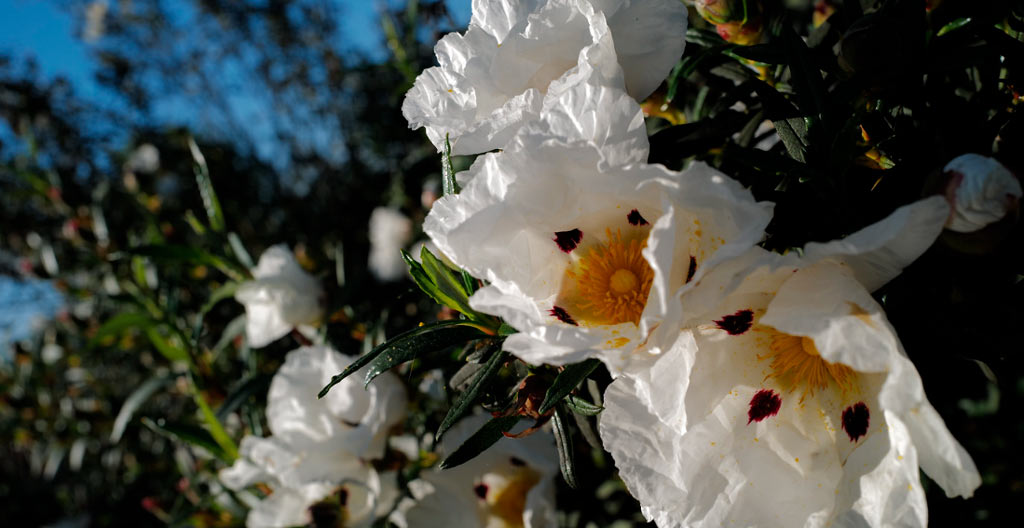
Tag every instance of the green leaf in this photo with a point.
(117, 324)
(449, 285)
(239, 250)
(188, 434)
(428, 339)
(253, 385)
(176, 253)
(448, 183)
(134, 401)
(225, 291)
(954, 25)
(173, 351)
(485, 437)
(563, 442)
(566, 381)
(210, 201)
(213, 425)
(466, 399)
(580, 406)
(435, 332)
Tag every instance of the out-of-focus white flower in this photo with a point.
(280, 297)
(95, 20)
(316, 461)
(510, 484)
(390, 232)
(583, 256)
(517, 56)
(786, 399)
(981, 191)
(145, 158)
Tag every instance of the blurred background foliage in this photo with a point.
(120, 410)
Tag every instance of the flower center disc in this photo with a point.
(613, 280)
(796, 361)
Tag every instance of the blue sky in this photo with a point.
(44, 30)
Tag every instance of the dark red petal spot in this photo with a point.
(343, 496)
(855, 420)
(568, 240)
(736, 323)
(480, 490)
(635, 218)
(764, 404)
(692, 270)
(562, 315)
(516, 461)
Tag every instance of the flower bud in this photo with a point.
(724, 11)
(981, 191)
(740, 33)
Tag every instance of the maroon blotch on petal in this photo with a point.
(480, 490)
(736, 323)
(636, 219)
(765, 403)
(343, 496)
(692, 269)
(562, 315)
(516, 461)
(568, 240)
(856, 419)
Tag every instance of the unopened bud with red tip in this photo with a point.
(981, 191)
(724, 11)
(746, 34)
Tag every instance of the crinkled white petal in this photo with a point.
(319, 446)
(281, 297)
(450, 497)
(502, 227)
(879, 252)
(683, 432)
(497, 76)
(390, 232)
(985, 191)
(349, 417)
(596, 111)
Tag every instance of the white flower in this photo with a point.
(787, 399)
(983, 191)
(510, 484)
(282, 296)
(319, 448)
(584, 258)
(517, 55)
(390, 232)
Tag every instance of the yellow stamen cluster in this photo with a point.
(509, 502)
(613, 280)
(796, 361)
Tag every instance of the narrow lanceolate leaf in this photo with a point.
(256, 384)
(563, 441)
(118, 324)
(490, 433)
(191, 255)
(418, 344)
(188, 434)
(465, 401)
(566, 381)
(218, 295)
(449, 286)
(448, 183)
(213, 425)
(580, 406)
(134, 401)
(435, 336)
(210, 201)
